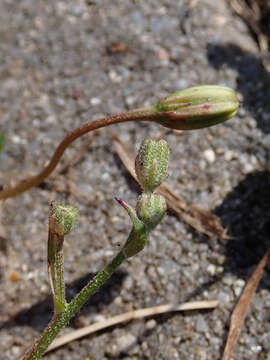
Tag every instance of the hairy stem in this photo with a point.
(61, 319)
(56, 270)
(144, 114)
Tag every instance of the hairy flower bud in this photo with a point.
(150, 209)
(63, 219)
(151, 163)
(197, 107)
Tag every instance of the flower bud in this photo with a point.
(150, 209)
(63, 219)
(151, 163)
(197, 107)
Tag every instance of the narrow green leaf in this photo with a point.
(2, 142)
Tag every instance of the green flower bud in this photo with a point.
(151, 163)
(197, 107)
(150, 209)
(63, 219)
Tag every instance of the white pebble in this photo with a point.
(228, 155)
(211, 269)
(151, 324)
(95, 101)
(209, 155)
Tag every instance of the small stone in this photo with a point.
(144, 346)
(209, 156)
(14, 276)
(248, 168)
(151, 324)
(118, 301)
(163, 55)
(16, 350)
(114, 76)
(211, 269)
(16, 139)
(201, 325)
(99, 318)
(125, 341)
(223, 297)
(129, 283)
(228, 156)
(238, 287)
(95, 101)
(160, 270)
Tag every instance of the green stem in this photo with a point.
(56, 270)
(60, 283)
(144, 114)
(61, 319)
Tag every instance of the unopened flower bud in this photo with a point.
(63, 219)
(197, 107)
(150, 209)
(151, 163)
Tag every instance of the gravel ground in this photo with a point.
(66, 62)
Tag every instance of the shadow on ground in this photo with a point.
(39, 314)
(253, 80)
(246, 214)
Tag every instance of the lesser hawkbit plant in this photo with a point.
(149, 211)
(188, 109)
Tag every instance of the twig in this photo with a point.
(252, 16)
(240, 310)
(128, 316)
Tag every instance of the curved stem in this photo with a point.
(144, 114)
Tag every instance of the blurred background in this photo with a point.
(64, 63)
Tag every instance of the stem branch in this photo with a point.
(61, 319)
(144, 114)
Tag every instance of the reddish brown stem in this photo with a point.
(146, 114)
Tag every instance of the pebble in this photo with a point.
(201, 324)
(229, 155)
(210, 156)
(151, 324)
(95, 101)
(211, 269)
(224, 297)
(238, 286)
(123, 342)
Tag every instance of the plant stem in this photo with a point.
(56, 270)
(144, 114)
(61, 319)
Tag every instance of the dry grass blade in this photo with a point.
(240, 310)
(131, 315)
(201, 220)
(256, 14)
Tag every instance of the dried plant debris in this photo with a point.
(241, 308)
(131, 315)
(201, 220)
(256, 13)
